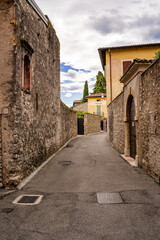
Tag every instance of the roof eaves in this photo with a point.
(102, 58)
(130, 46)
(136, 61)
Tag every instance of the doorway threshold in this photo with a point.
(130, 160)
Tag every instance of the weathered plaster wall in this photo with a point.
(115, 123)
(91, 123)
(150, 120)
(92, 106)
(34, 124)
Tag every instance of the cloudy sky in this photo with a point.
(83, 26)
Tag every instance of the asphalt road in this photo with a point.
(69, 209)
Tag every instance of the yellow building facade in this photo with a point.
(97, 104)
(116, 60)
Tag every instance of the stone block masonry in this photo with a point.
(34, 122)
(68, 126)
(150, 120)
(115, 123)
(91, 123)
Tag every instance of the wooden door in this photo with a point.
(132, 128)
(80, 125)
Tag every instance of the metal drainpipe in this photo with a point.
(110, 75)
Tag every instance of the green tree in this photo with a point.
(100, 85)
(85, 92)
(157, 55)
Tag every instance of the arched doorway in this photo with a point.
(132, 126)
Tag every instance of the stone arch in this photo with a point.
(129, 94)
(130, 127)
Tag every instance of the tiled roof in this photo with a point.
(104, 49)
(95, 95)
(130, 46)
(137, 60)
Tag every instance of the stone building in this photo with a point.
(131, 81)
(33, 121)
(134, 116)
(97, 104)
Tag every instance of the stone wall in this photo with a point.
(104, 125)
(1, 182)
(150, 120)
(34, 123)
(115, 123)
(7, 76)
(68, 128)
(91, 123)
(82, 107)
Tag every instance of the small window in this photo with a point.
(36, 102)
(126, 64)
(27, 73)
(98, 100)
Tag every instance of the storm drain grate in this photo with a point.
(28, 199)
(109, 198)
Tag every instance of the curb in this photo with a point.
(5, 193)
(130, 161)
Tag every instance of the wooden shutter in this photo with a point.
(99, 110)
(126, 65)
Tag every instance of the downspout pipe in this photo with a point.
(110, 60)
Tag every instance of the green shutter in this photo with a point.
(99, 110)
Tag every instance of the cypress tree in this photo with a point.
(100, 85)
(85, 92)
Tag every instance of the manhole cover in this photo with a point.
(65, 162)
(28, 199)
(108, 198)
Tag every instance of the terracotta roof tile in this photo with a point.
(137, 60)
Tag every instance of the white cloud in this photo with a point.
(79, 76)
(84, 26)
(73, 81)
(68, 95)
(72, 87)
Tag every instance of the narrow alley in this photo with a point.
(70, 210)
